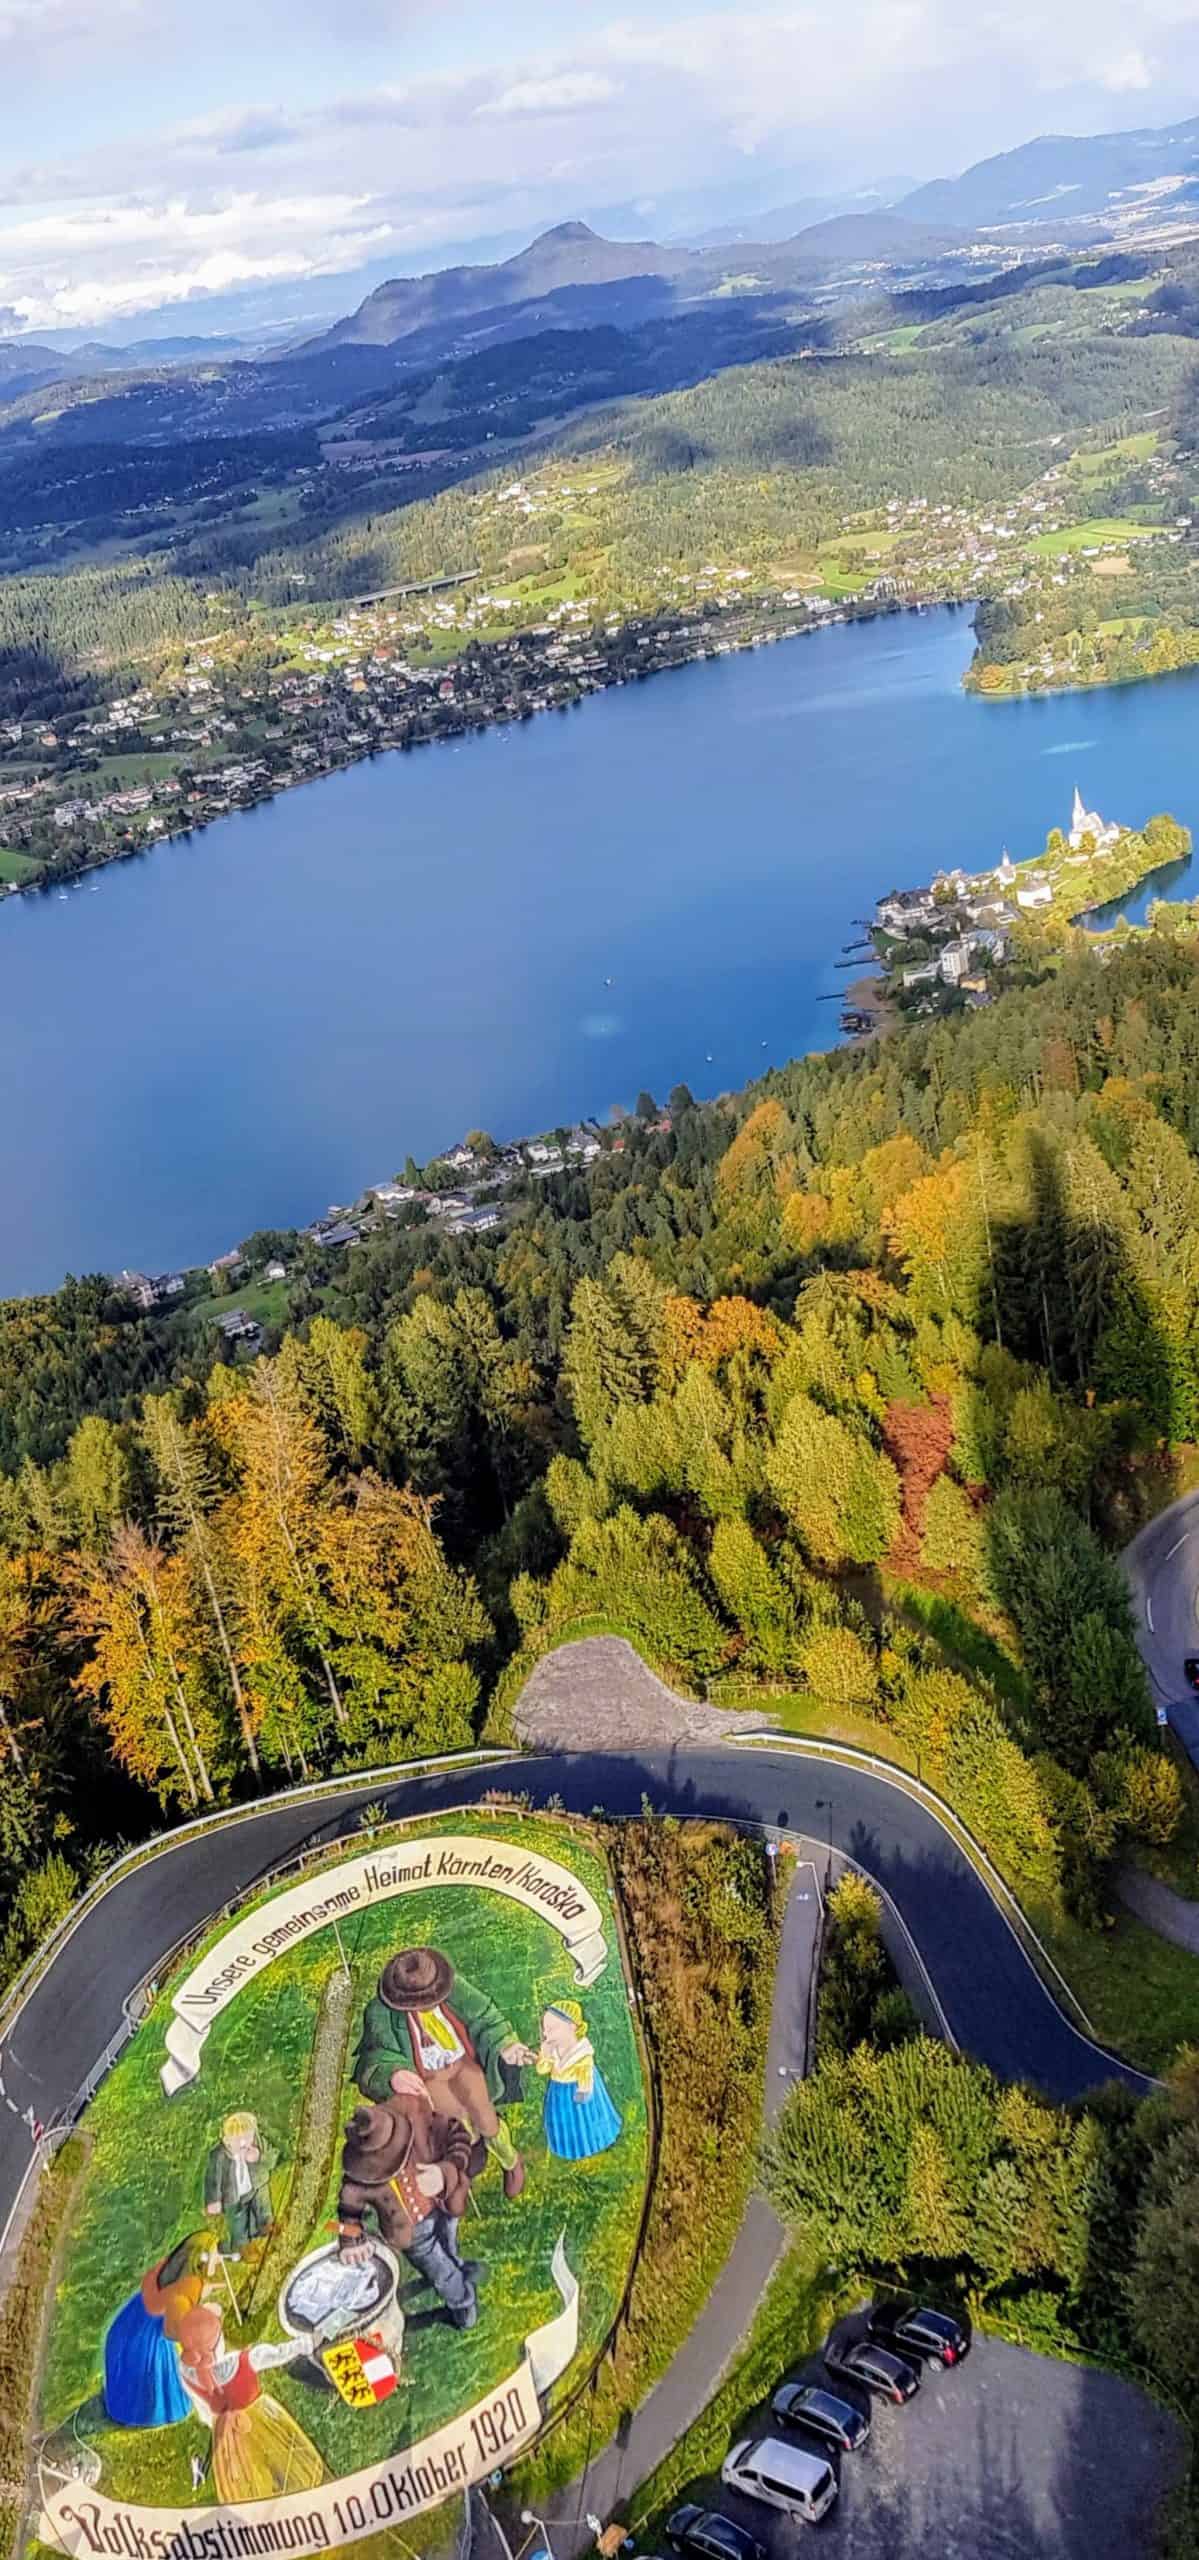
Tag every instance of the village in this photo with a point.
(943, 943)
(215, 736)
(460, 1191)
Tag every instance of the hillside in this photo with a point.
(1062, 179)
(571, 254)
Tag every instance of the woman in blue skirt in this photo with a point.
(142, 2387)
(580, 2119)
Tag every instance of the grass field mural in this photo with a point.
(362, 2199)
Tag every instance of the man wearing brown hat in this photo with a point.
(408, 2170)
(430, 2029)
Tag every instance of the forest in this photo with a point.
(839, 1392)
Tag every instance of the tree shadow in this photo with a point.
(1056, 1287)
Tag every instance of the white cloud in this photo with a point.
(1128, 70)
(562, 93)
(510, 136)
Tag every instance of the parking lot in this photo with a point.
(1010, 2455)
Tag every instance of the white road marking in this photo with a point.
(1149, 1614)
(1179, 1542)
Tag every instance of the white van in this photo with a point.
(782, 2475)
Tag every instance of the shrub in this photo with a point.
(952, 1540)
(839, 1667)
(1143, 1789)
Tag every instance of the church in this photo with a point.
(1087, 822)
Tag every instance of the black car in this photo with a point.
(712, 2537)
(919, 2331)
(804, 2404)
(864, 2360)
(1191, 1668)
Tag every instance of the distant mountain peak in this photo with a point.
(563, 232)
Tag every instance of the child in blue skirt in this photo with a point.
(580, 2119)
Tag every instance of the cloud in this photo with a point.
(563, 93)
(1129, 70)
(478, 136)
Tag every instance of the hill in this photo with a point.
(570, 254)
(890, 239)
(1121, 178)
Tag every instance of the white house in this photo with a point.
(1035, 891)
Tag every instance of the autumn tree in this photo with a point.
(188, 1492)
(137, 1611)
(841, 1494)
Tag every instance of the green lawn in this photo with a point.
(144, 2186)
(118, 772)
(1093, 531)
(265, 1300)
(1096, 461)
(17, 868)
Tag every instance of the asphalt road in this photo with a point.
(996, 2005)
(1162, 1565)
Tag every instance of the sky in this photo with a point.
(179, 160)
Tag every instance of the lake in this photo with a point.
(516, 930)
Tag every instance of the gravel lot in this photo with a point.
(1010, 2456)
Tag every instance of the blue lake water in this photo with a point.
(238, 1029)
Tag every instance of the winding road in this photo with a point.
(1162, 1565)
(993, 2001)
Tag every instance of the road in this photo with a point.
(1162, 1564)
(995, 2004)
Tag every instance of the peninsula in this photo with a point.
(945, 946)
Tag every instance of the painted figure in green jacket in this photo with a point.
(428, 2028)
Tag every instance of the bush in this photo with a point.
(1144, 1790)
(952, 1540)
(840, 1668)
(860, 2001)
(41, 1900)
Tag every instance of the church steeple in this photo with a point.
(1078, 817)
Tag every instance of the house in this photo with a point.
(227, 1265)
(920, 976)
(447, 1204)
(136, 1285)
(906, 911)
(1035, 891)
(275, 1271)
(955, 961)
(147, 1292)
(325, 1237)
(476, 1222)
(237, 1327)
(393, 1195)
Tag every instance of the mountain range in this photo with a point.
(1061, 189)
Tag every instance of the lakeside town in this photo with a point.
(218, 725)
(949, 940)
(463, 1192)
(153, 764)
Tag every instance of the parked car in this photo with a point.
(915, 2329)
(1191, 1668)
(782, 2475)
(711, 2537)
(863, 2360)
(823, 2414)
